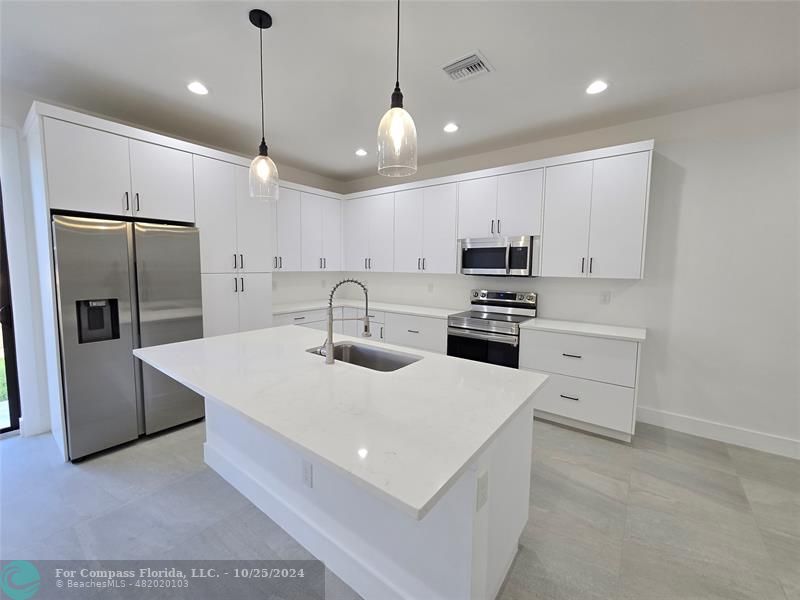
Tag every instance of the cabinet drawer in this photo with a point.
(301, 318)
(609, 361)
(602, 404)
(424, 333)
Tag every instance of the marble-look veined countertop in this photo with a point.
(406, 435)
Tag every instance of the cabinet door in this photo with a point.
(331, 234)
(255, 227)
(311, 226)
(565, 236)
(617, 227)
(220, 303)
(255, 301)
(215, 193)
(289, 230)
(87, 170)
(408, 230)
(477, 208)
(162, 182)
(439, 229)
(381, 233)
(356, 233)
(519, 203)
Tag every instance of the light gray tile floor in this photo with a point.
(669, 517)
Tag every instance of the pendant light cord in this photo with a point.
(261, 63)
(397, 72)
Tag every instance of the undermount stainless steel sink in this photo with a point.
(369, 357)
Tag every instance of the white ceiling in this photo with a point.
(329, 68)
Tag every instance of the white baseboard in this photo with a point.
(739, 436)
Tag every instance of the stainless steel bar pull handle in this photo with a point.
(365, 264)
(127, 201)
(280, 258)
(275, 260)
(492, 225)
(413, 331)
(320, 263)
(137, 202)
(591, 260)
(418, 263)
(423, 263)
(576, 399)
(324, 263)
(498, 225)
(583, 263)
(241, 261)
(234, 260)
(370, 263)
(235, 284)
(571, 355)
(299, 318)
(242, 283)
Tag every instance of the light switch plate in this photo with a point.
(308, 474)
(483, 491)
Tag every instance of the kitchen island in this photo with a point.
(413, 483)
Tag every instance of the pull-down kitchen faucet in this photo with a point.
(329, 358)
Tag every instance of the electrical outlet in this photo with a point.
(606, 298)
(483, 491)
(308, 474)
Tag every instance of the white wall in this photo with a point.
(23, 276)
(303, 287)
(721, 290)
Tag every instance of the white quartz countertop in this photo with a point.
(617, 332)
(405, 309)
(406, 435)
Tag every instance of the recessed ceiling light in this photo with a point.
(596, 87)
(197, 88)
(361, 152)
(451, 128)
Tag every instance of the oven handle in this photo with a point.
(508, 252)
(511, 340)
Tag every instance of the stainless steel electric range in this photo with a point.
(489, 331)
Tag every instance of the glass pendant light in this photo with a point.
(397, 134)
(264, 181)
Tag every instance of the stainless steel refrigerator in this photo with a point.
(123, 285)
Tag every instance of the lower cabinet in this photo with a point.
(314, 319)
(593, 380)
(377, 320)
(425, 333)
(233, 303)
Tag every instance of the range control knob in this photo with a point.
(529, 298)
(483, 294)
(475, 293)
(520, 297)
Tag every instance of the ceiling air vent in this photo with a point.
(467, 67)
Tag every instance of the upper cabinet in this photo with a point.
(425, 230)
(505, 205)
(369, 233)
(288, 231)
(161, 182)
(595, 217)
(236, 231)
(321, 222)
(93, 171)
(87, 170)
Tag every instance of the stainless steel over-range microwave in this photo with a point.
(505, 256)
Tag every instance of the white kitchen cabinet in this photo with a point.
(215, 195)
(519, 203)
(255, 301)
(162, 182)
(567, 202)
(508, 205)
(314, 319)
(369, 233)
(409, 215)
(236, 302)
(425, 333)
(236, 231)
(425, 230)
(595, 216)
(87, 170)
(477, 208)
(289, 248)
(255, 227)
(220, 303)
(356, 327)
(619, 212)
(321, 236)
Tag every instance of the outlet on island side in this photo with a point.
(308, 474)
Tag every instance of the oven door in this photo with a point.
(482, 346)
(485, 256)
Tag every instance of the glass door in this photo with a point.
(9, 388)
